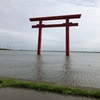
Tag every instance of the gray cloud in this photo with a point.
(87, 3)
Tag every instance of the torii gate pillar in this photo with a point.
(67, 37)
(67, 24)
(39, 38)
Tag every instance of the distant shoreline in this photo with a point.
(52, 51)
(4, 49)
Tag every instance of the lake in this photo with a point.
(78, 69)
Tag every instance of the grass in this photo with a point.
(48, 87)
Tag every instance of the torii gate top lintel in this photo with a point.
(56, 17)
(67, 24)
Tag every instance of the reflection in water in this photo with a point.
(39, 68)
(66, 69)
(52, 71)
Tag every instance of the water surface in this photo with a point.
(79, 69)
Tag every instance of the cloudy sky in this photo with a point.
(16, 31)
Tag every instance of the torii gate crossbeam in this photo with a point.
(67, 24)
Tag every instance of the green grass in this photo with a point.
(65, 90)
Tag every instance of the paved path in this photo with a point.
(26, 94)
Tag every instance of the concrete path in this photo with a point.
(26, 94)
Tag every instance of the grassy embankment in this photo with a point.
(48, 87)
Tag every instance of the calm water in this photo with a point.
(80, 69)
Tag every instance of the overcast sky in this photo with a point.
(16, 31)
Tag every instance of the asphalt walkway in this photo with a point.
(26, 94)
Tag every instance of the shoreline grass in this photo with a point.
(65, 90)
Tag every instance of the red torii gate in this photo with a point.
(66, 24)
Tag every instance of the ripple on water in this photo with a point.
(52, 67)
